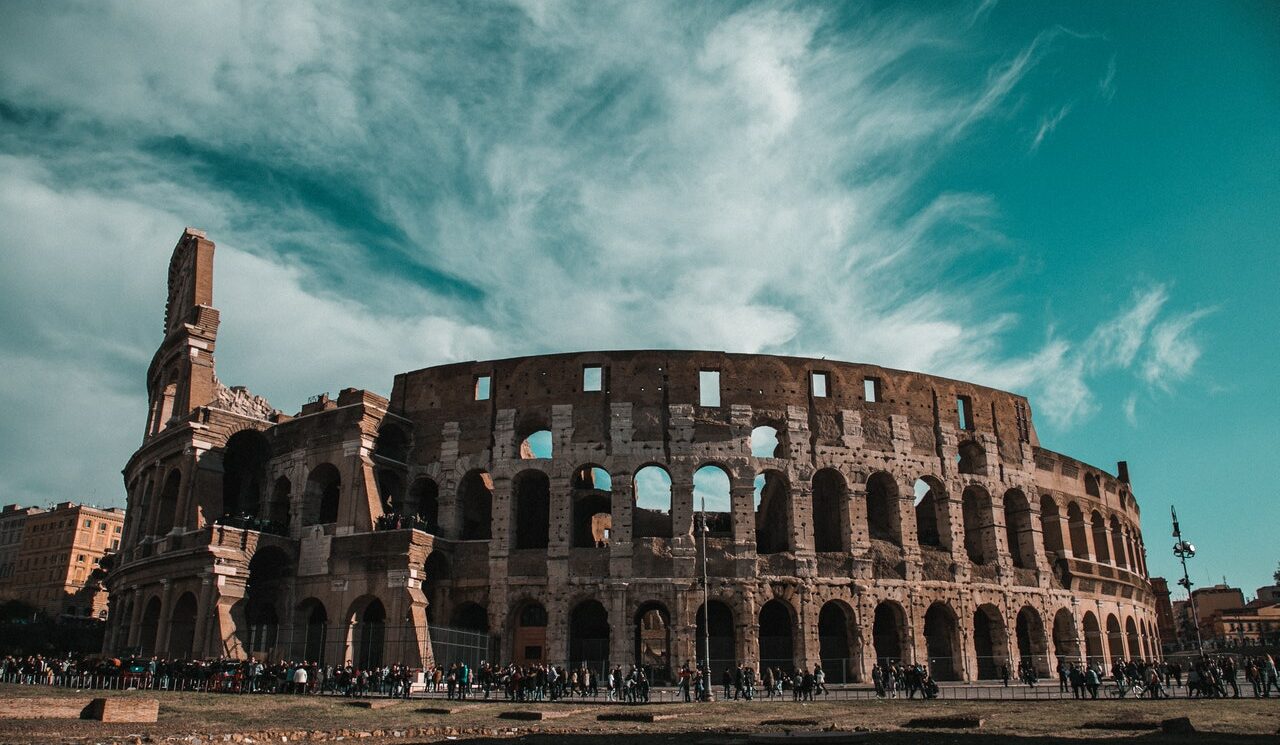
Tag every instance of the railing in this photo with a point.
(397, 521)
(249, 522)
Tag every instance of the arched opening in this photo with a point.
(1134, 645)
(268, 580)
(475, 497)
(532, 514)
(836, 645)
(711, 488)
(166, 513)
(536, 446)
(392, 443)
(979, 533)
(320, 498)
(470, 617)
(424, 502)
(1033, 648)
(529, 643)
(278, 509)
(651, 511)
(765, 442)
(1051, 528)
(1115, 639)
(971, 458)
(592, 497)
(1079, 535)
(1092, 639)
(653, 641)
(1066, 640)
(1017, 526)
(390, 490)
(435, 583)
(1100, 538)
(369, 634)
(990, 642)
(148, 628)
(244, 473)
(182, 628)
(311, 628)
(830, 511)
(773, 513)
(589, 636)
(933, 520)
(942, 640)
(722, 641)
(1117, 543)
(777, 648)
(887, 632)
(883, 521)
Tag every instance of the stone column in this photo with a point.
(622, 627)
(808, 643)
(162, 625)
(621, 514)
(450, 517)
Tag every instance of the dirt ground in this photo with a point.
(197, 719)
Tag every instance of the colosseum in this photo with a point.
(549, 508)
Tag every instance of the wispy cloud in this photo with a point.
(1107, 86)
(1049, 123)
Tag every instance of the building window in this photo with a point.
(117, 530)
(80, 558)
(964, 412)
(483, 384)
(102, 527)
(88, 523)
(115, 543)
(708, 387)
(819, 384)
(592, 378)
(871, 390)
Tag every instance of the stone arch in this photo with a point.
(167, 504)
(436, 577)
(531, 513)
(720, 634)
(423, 500)
(933, 514)
(1051, 528)
(1092, 640)
(971, 458)
(1100, 545)
(311, 631)
(537, 445)
(391, 492)
(1117, 543)
(1133, 643)
(270, 571)
(942, 642)
(776, 635)
(651, 502)
(244, 473)
(529, 633)
(182, 627)
(712, 486)
(149, 628)
(772, 512)
(278, 508)
(652, 644)
(839, 646)
(1017, 525)
(592, 497)
(1033, 646)
(830, 518)
(367, 624)
(589, 636)
(475, 506)
(979, 532)
(889, 632)
(990, 641)
(883, 519)
(322, 495)
(1115, 639)
(1079, 533)
(1066, 637)
(766, 442)
(393, 442)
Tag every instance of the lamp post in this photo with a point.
(1185, 550)
(706, 605)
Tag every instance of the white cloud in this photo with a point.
(1049, 123)
(1173, 352)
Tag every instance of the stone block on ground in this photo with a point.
(1177, 726)
(122, 709)
(635, 716)
(951, 722)
(41, 708)
(376, 703)
(537, 715)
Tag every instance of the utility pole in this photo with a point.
(706, 605)
(1185, 550)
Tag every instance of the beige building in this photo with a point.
(13, 520)
(54, 565)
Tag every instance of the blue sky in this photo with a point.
(1076, 201)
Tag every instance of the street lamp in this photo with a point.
(1185, 550)
(701, 521)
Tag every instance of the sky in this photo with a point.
(1075, 201)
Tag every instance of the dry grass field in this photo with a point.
(209, 718)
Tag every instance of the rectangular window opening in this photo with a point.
(819, 384)
(482, 387)
(964, 412)
(871, 390)
(592, 378)
(708, 387)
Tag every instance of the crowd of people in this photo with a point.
(1205, 677)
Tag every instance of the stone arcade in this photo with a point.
(856, 513)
